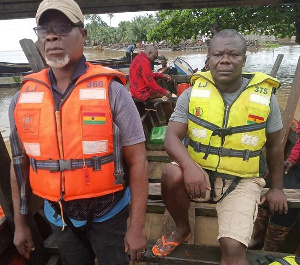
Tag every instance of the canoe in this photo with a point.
(183, 67)
(113, 63)
(202, 249)
(14, 67)
(202, 216)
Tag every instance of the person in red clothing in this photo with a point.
(142, 78)
(294, 157)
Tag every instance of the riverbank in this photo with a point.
(194, 45)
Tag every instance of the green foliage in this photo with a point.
(177, 25)
(268, 45)
(17, 79)
(128, 32)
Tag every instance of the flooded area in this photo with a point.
(260, 60)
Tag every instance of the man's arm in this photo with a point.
(274, 153)
(195, 181)
(135, 239)
(149, 79)
(22, 237)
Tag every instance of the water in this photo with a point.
(260, 60)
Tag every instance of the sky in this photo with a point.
(17, 29)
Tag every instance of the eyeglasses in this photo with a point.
(59, 29)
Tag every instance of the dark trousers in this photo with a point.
(104, 240)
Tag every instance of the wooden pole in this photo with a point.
(33, 55)
(291, 104)
(276, 65)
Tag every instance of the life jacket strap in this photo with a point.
(222, 132)
(118, 161)
(222, 151)
(71, 164)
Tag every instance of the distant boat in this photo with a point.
(183, 67)
(14, 67)
(113, 63)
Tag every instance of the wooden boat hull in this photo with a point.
(202, 216)
(14, 67)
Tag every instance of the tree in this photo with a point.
(140, 28)
(110, 15)
(177, 25)
(93, 26)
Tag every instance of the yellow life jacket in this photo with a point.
(71, 151)
(288, 260)
(229, 139)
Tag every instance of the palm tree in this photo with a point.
(110, 15)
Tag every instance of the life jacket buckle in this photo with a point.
(119, 178)
(225, 151)
(64, 164)
(246, 155)
(197, 147)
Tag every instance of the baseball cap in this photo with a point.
(68, 7)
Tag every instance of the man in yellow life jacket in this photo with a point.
(72, 126)
(229, 117)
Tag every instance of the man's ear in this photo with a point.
(84, 34)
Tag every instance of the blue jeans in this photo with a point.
(104, 240)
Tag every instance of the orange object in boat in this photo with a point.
(181, 87)
(1, 212)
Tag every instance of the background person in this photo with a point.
(165, 69)
(142, 78)
(129, 52)
(70, 131)
(214, 29)
(228, 125)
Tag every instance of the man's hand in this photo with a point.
(195, 181)
(23, 240)
(168, 94)
(135, 243)
(276, 200)
(167, 77)
(288, 165)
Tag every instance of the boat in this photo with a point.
(113, 63)
(183, 67)
(203, 247)
(6, 67)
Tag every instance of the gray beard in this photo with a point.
(58, 63)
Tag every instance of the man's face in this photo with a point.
(226, 60)
(60, 51)
(153, 56)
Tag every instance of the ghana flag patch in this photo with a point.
(255, 119)
(94, 118)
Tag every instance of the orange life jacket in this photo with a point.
(71, 151)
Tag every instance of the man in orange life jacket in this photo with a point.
(72, 126)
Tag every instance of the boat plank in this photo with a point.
(186, 254)
(293, 195)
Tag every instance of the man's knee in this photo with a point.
(171, 175)
(232, 248)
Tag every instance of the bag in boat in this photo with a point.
(158, 134)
